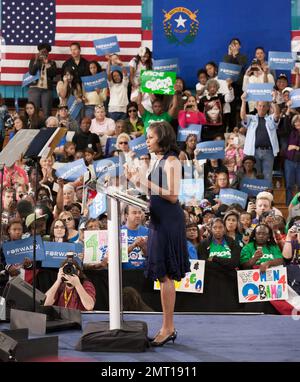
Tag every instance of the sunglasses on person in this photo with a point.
(123, 143)
(132, 111)
(69, 219)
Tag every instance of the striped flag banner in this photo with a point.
(26, 23)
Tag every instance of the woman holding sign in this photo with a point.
(168, 258)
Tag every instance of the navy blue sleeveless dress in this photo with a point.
(167, 253)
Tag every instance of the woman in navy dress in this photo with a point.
(167, 255)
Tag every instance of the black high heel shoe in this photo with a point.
(171, 337)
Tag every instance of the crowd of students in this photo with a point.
(259, 138)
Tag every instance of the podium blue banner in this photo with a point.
(74, 106)
(281, 60)
(199, 31)
(260, 92)
(109, 167)
(28, 78)
(230, 71)
(56, 253)
(15, 251)
(166, 65)
(230, 196)
(295, 98)
(98, 81)
(182, 134)
(211, 150)
(106, 45)
(139, 146)
(253, 186)
(72, 171)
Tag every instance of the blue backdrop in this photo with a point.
(198, 37)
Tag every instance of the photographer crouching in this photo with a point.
(71, 288)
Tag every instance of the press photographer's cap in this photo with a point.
(32, 217)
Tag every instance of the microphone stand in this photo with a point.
(1, 200)
(34, 237)
(1, 209)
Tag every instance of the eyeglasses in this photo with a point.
(132, 111)
(69, 219)
(59, 227)
(123, 143)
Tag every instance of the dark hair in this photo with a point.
(271, 240)
(232, 213)
(217, 220)
(91, 220)
(235, 39)
(52, 237)
(112, 77)
(148, 63)
(183, 83)
(39, 169)
(166, 136)
(212, 63)
(249, 157)
(261, 48)
(75, 43)
(293, 221)
(41, 188)
(75, 80)
(184, 145)
(99, 69)
(201, 71)
(12, 222)
(34, 120)
(24, 208)
(131, 104)
(21, 118)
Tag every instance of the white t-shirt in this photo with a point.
(118, 96)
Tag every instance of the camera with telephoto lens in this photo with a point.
(69, 268)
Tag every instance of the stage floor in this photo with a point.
(201, 338)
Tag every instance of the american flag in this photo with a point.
(26, 23)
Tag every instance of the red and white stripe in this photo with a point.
(82, 21)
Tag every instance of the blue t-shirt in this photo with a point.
(192, 251)
(136, 260)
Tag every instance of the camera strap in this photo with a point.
(67, 297)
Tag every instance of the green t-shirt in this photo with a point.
(219, 250)
(269, 253)
(149, 118)
(295, 200)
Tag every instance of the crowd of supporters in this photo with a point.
(260, 138)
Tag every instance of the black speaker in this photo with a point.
(15, 346)
(7, 348)
(19, 295)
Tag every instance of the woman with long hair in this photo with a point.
(59, 231)
(167, 255)
(32, 117)
(67, 86)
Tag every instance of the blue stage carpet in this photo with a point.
(202, 338)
